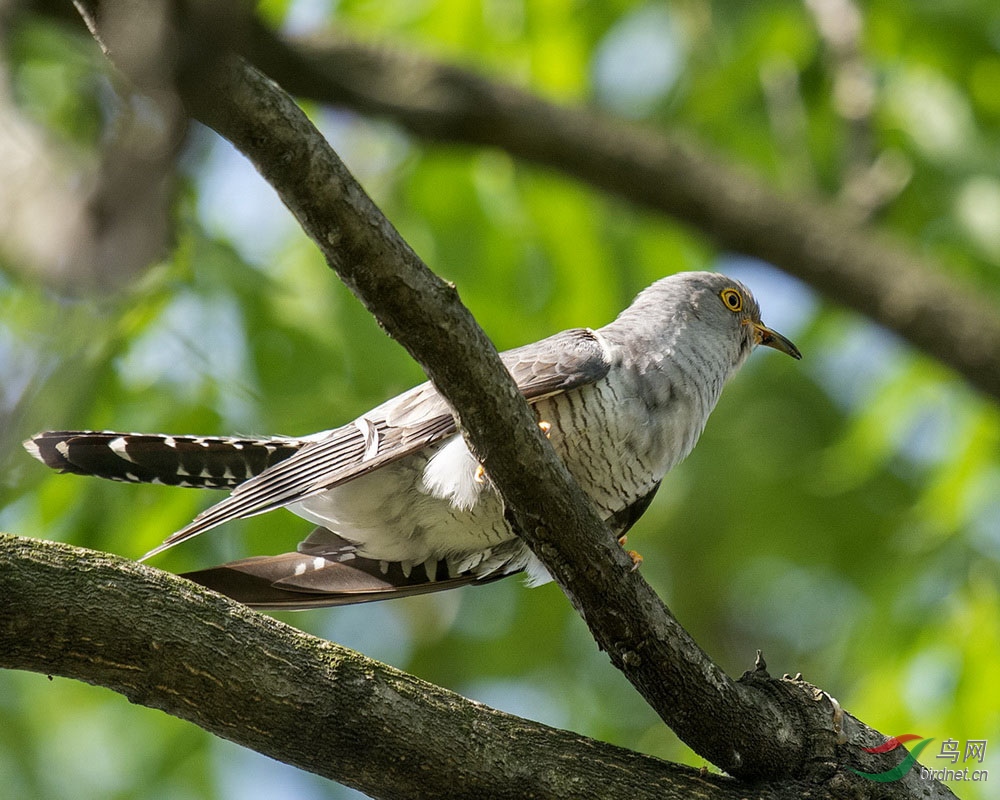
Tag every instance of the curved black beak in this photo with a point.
(769, 338)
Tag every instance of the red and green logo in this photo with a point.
(903, 766)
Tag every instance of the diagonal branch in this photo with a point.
(549, 510)
(815, 241)
(424, 314)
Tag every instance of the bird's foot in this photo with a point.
(480, 476)
(636, 557)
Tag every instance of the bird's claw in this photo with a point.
(636, 557)
(480, 476)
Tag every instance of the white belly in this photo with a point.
(435, 504)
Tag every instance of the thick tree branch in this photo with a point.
(812, 240)
(161, 641)
(169, 644)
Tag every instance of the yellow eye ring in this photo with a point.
(733, 299)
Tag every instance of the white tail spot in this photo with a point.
(119, 446)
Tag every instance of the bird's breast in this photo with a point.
(619, 437)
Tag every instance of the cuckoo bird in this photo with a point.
(401, 503)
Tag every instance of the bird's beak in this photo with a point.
(769, 338)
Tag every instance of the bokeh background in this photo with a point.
(842, 514)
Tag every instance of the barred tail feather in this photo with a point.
(204, 462)
(296, 581)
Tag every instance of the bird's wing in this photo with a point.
(398, 428)
(573, 358)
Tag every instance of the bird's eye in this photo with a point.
(732, 298)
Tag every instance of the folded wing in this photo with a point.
(396, 429)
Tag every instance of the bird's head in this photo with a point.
(694, 309)
(731, 306)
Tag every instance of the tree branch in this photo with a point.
(169, 644)
(815, 241)
(551, 513)
(164, 642)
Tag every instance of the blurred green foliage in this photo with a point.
(842, 514)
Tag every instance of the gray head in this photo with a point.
(699, 311)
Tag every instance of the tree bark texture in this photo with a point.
(169, 644)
